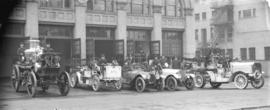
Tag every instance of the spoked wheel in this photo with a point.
(199, 80)
(118, 85)
(215, 85)
(241, 81)
(15, 81)
(96, 83)
(171, 83)
(160, 84)
(189, 83)
(139, 84)
(74, 80)
(63, 83)
(257, 83)
(31, 85)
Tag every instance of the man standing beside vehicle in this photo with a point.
(20, 52)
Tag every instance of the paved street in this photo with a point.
(228, 97)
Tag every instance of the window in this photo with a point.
(98, 32)
(243, 53)
(169, 8)
(239, 14)
(212, 33)
(230, 52)
(55, 31)
(138, 40)
(247, 13)
(267, 53)
(204, 36)
(221, 35)
(197, 17)
(254, 12)
(55, 3)
(137, 6)
(204, 16)
(252, 53)
(100, 5)
(230, 34)
(196, 34)
(172, 43)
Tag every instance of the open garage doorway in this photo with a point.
(64, 47)
(105, 47)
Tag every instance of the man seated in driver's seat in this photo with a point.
(48, 48)
(102, 62)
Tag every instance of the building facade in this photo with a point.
(88, 28)
(239, 27)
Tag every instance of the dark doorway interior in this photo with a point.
(105, 47)
(64, 47)
(8, 52)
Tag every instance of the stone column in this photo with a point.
(121, 30)
(157, 23)
(31, 23)
(80, 25)
(189, 35)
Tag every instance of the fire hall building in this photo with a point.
(88, 28)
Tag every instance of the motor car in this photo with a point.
(139, 77)
(39, 69)
(241, 73)
(94, 76)
(177, 77)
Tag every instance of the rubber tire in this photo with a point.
(142, 84)
(32, 90)
(74, 84)
(15, 82)
(96, 86)
(215, 85)
(245, 78)
(253, 83)
(199, 75)
(171, 83)
(64, 88)
(189, 86)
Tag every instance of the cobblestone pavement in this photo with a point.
(227, 97)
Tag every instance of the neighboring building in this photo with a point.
(240, 27)
(88, 28)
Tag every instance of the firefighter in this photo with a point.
(20, 52)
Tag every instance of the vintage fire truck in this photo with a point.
(39, 69)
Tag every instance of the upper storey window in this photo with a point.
(101, 5)
(139, 7)
(171, 8)
(56, 3)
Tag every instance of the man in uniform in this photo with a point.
(20, 52)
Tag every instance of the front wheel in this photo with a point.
(189, 83)
(63, 83)
(15, 81)
(241, 81)
(257, 83)
(139, 84)
(74, 80)
(199, 80)
(171, 83)
(31, 85)
(96, 84)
